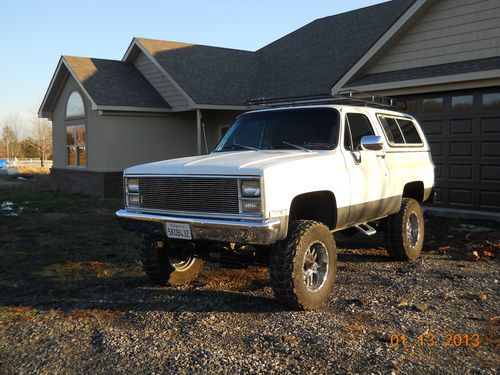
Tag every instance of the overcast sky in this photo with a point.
(36, 33)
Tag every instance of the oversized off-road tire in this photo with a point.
(304, 266)
(404, 231)
(166, 265)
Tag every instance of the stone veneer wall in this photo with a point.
(104, 184)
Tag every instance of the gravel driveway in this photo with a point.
(74, 300)
(233, 324)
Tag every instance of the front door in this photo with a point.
(368, 171)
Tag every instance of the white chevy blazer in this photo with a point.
(274, 191)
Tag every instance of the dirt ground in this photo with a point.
(73, 299)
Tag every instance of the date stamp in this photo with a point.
(430, 340)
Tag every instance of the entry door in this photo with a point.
(368, 171)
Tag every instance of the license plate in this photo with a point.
(178, 230)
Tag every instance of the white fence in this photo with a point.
(31, 162)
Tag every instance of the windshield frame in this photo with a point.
(218, 148)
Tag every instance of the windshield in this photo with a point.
(302, 129)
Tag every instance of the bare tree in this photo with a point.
(10, 133)
(42, 137)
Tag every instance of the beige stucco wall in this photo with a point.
(131, 140)
(115, 142)
(213, 120)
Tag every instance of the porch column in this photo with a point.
(198, 131)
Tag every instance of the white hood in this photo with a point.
(242, 163)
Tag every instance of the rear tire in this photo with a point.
(304, 266)
(404, 231)
(166, 266)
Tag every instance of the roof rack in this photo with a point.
(350, 97)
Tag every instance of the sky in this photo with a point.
(36, 33)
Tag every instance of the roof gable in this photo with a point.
(208, 75)
(114, 83)
(452, 40)
(448, 31)
(107, 83)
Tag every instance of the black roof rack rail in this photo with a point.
(350, 97)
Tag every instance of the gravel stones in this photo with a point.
(211, 328)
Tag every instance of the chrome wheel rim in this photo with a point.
(181, 264)
(413, 229)
(315, 265)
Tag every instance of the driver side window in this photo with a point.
(356, 126)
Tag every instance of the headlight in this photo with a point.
(132, 185)
(250, 188)
(250, 205)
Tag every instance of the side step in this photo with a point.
(366, 229)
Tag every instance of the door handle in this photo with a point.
(381, 156)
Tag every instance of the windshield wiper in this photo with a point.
(297, 146)
(319, 144)
(241, 146)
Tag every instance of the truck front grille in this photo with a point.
(190, 194)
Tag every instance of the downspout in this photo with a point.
(198, 131)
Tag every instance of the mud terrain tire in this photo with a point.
(304, 266)
(404, 231)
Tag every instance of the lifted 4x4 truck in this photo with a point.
(276, 188)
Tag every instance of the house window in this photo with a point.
(75, 106)
(76, 145)
(491, 100)
(432, 105)
(462, 103)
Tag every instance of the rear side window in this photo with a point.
(400, 131)
(356, 127)
(392, 130)
(409, 131)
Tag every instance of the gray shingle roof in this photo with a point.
(209, 75)
(307, 61)
(114, 83)
(428, 71)
(312, 59)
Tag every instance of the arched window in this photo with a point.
(75, 106)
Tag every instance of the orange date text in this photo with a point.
(429, 340)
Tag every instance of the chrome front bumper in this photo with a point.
(245, 232)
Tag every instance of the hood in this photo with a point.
(247, 163)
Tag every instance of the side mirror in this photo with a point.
(372, 143)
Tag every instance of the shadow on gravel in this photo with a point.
(164, 300)
(363, 257)
(172, 300)
(137, 294)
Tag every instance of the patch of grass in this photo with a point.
(31, 169)
(56, 202)
(59, 245)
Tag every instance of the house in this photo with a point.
(168, 99)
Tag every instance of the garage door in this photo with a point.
(463, 130)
